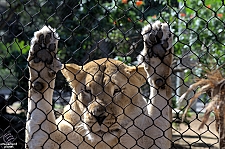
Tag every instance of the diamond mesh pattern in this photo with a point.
(90, 30)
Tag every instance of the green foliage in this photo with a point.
(127, 60)
(13, 72)
(13, 58)
(198, 29)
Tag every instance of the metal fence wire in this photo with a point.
(112, 74)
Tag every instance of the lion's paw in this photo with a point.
(157, 54)
(42, 59)
(157, 39)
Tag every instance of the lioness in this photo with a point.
(106, 109)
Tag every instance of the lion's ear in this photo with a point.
(69, 71)
(137, 75)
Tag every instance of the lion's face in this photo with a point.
(106, 96)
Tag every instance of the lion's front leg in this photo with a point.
(43, 65)
(157, 57)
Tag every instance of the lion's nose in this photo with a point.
(100, 119)
(99, 113)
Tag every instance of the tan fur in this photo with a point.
(102, 77)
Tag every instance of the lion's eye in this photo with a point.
(116, 91)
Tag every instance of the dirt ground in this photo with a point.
(188, 136)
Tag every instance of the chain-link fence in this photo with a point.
(120, 101)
